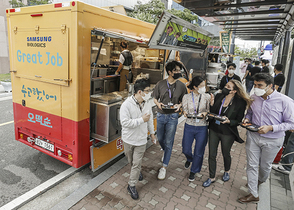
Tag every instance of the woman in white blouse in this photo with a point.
(196, 104)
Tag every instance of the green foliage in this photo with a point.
(16, 3)
(151, 11)
(215, 41)
(5, 77)
(19, 3)
(247, 53)
(185, 14)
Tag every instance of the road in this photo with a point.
(21, 167)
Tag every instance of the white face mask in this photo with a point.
(259, 92)
(231, 71)
(147, 96)
(202, 90)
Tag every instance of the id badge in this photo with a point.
(197, 120)
(217, 122)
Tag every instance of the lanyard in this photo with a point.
(196, 112)
(277, 74)
(141, 107)
(169, 90)
(220, 109)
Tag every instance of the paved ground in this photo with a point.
(281, 195)
(175, 192)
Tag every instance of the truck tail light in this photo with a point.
(69, 157)
(23, 136)
(64, 154)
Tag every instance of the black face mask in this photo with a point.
(226, 91)
(177, 75)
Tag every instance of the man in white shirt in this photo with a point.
(136, 119)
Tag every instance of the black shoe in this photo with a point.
(140, 177)
(133, 192)
(187, 164)
(191, 177)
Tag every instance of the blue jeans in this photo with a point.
(200, 133)
(166, 130)
(249, 85)
(289, 158)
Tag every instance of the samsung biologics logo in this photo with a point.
(38, 41)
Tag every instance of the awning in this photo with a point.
(103, 32)
(249, 19)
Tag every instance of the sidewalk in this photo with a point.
(3, 93)
(175, 192)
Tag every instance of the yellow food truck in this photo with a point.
(63, 58)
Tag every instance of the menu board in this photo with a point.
(175, 33)
(225, 41)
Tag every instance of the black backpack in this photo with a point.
(128, 58)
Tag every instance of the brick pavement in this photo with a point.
(175, 192)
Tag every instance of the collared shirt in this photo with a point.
(141, 105)
(277, 110)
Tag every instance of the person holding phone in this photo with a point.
(230, 104)
(136, 120)
(195, 107)
(273, 112)
(168, 92)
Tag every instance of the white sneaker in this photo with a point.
(161, 174)
(162, 158)
(280, 168)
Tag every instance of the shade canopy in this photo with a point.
(250, 20)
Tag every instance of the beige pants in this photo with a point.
(260, 152)
(134, 155)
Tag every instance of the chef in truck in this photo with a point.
(125, 65)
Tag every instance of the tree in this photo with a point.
(246, 53)
(151, 11)
(19, 3)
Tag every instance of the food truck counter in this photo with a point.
(154, 75)
(105, 120)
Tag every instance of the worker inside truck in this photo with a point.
(125, 66)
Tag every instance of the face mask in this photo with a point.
(177, 75)
(147, 96)
(226, 91)
(202, 90)
(231, 71)
(259, 92)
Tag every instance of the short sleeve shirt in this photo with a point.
(279, 80)
(254, 70)
(161, 93)
(265, 69)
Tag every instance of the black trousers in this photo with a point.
(226, 145)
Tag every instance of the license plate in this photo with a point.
(44, 145)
